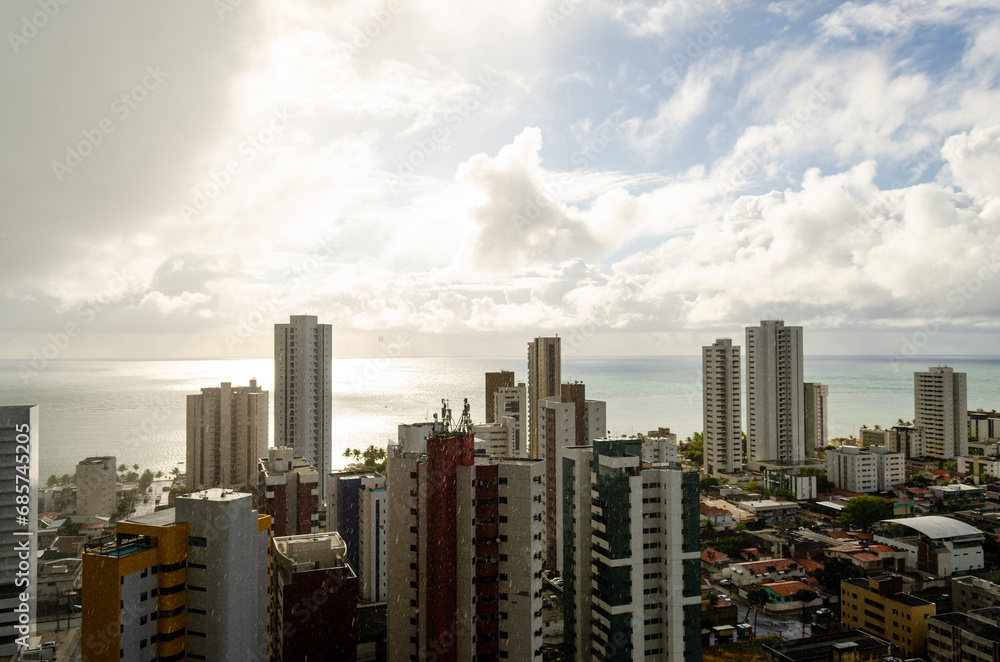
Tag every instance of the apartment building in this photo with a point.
(96, 486)
(878, 606)
(721, 399)
(865, 470)
(288, 489)
(226, 436)
(939, 401)
(775, 408)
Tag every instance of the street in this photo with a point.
(787, 626)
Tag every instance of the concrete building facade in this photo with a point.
(961, 637)
(721, 400)
(494, 382)
(775, 409)
(188, 582)
(19, 514)
(865, 470)
(969, 592)
(288, 489)
(815, 397)
(373, 539)
(544, 381)
(940, 408)
(303, 390)
(465, 557)
(96, 486)
(878, 606)
(314, 599)
(226, 436)
(632, 574)
(567, 420)
(908, 440)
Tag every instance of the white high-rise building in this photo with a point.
(775, 412)
(511, 409)
(96, 486)
(563, 421)
(303, 390)
(815, 397)
(632, 573)
(721, 397)
(865, 470)
(19, 514)
(227, 575)
(940, 408)
(544, 379)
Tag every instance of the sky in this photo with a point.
(442, 178)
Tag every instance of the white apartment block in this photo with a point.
(373, 539)
(96, 486)
(815, 397)
(226, 436)
(544, 380)
(661, 450)
(303, 390)
(562, 424)
(940, 408)
(511, 409)
(721, 397)
(465, 555)
(632, 575)
(775, 410)
(227, 576)
(865, 470)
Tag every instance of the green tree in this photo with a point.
(757, 599)
(836, 569)
(348, 453)
(66, 479)
(159, 474)
(708, 529)
(785, 492)
(804, 595)
(135, 467)
(709, 481)
(862, 512)
(174, 471)
(132, 477)
(52, 481)
(122, 468)
(145, 480)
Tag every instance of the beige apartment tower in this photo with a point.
(494, 382)
(96, 483)
(939, 403)
(814, 397)
(544, 376)
(226, 435)
(721, 396)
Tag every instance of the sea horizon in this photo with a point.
(135, 409)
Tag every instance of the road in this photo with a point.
(787, 626)
(145, 508)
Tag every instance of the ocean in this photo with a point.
(135, 410)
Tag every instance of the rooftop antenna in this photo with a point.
(465, 422)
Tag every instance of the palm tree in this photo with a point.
(878, 427)
(135, 466)
(175, 471)
(348, 453)
(756, 598)
(122, 468)
(159, 474)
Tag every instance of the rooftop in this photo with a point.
(819, 647)
(787, 589)
(936, 526)
(970, 624)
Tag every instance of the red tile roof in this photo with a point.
(865, 557)
(712, 511)
(709, 555)
(787, 589)
(808, 565)
(760, 567)
(880, 549)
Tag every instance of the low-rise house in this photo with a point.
(783, 594)
(771, 511)
(771, 570)
(712, 560)
(859, 556)
(959, 494)
(969, 593)
(901, 506)
(720, 518)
